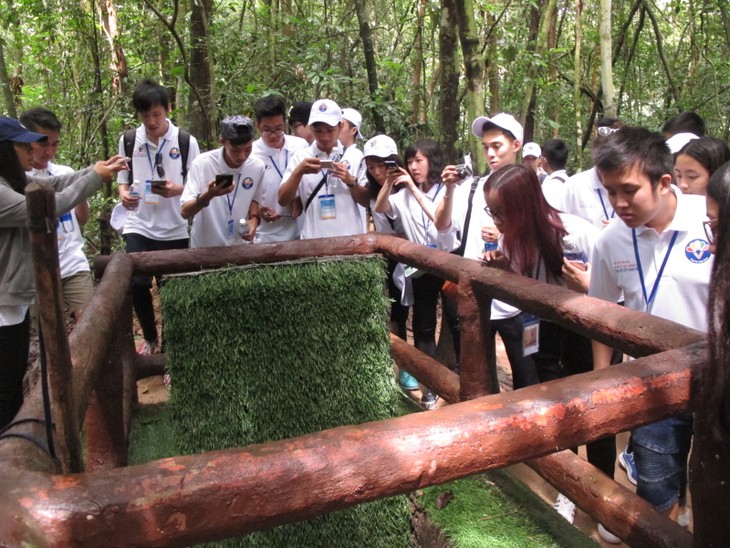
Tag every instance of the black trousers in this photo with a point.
(141, 285)
(14, 345)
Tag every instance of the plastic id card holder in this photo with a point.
(230, 231)
(530, 335)
(149, 197)
(64, 225)
(327, 207)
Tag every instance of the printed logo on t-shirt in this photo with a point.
(698, 251)
(174, 153)
(247, 183)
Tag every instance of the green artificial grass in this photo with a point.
(277, 351)
(481, 513)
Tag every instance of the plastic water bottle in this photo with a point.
(243, 228)
(134, 192)
(572, 251)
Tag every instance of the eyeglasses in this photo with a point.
(605, 131)
(710, 229)
(158, 164)
(494, 214)
(268, 131)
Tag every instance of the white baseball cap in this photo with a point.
(381, 146)
(531, 149)
(326, 111)
(677, 142)
(503, 121)
(354, 117)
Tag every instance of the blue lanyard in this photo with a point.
(603, 205)
(286, 163)
(424, 219)
(648, 300)
(235, 193)
(149, 158)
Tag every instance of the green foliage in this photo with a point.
(275, 352)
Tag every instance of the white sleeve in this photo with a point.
(122, 176)
(196, 183)
(604, 284)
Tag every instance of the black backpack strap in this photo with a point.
(314, 192)
(129, 138)
(183, 139)
(460, 250)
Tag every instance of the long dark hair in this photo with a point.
(10, 168)
(715, 380)
(435, 155)
(534, 229)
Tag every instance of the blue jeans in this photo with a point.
(660, 453)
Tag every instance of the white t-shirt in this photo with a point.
(474, 243)
(217, 224)
(584, 196)
(71, 256)
(276, 161)
(354, 159)
(682, 292)
(333, 211)
(553, 188)
(417, 226)
(157, 218)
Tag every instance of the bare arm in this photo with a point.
(601, 355)
(445, 208)
(288, 189)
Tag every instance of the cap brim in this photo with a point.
(477, 126)
(28, 137)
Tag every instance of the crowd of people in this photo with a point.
(635, 229)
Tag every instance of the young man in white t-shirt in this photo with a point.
(76, 281)
(275, 148)
(221, 187)
(157, 165)
(553, 160)
(501, 137)
(658, 256)
(330, 194)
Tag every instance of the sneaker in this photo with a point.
(429, 399)
(565, 507)
(683, 517)
(407, 381)
(607, 535)
(148, 348)
(626, 461)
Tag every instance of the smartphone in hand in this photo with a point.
(224, 180)
(156, 183)
(326, 164)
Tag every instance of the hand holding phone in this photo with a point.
(156, 183)
(392, 165)
(326, 164)
(224, 180)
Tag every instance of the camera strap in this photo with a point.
(314, 192)
(462, 246)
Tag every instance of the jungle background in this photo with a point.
(415, 68)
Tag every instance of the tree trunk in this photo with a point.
(118, 63)
(370, 63)
(201, 106)
(469, 37)
(609, 96)
(527, 117)
(417, 114)
(449, 108)
(8, 97)
(576, 82)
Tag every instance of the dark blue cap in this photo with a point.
(12, 130)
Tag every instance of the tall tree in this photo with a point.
(449, 108)
(370, 63)
(201, 107)
(609, 96)
(8, 97)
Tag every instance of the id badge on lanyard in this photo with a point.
(65, 225)
(530, 334)
(149, 197)
(327, 208)
(230, 231)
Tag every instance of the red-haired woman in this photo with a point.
(534, 243)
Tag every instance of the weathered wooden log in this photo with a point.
(42, 219)
(428, 371)
(474, 312)
(620, 510)
(219, 494)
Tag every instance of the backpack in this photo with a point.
(183, 139)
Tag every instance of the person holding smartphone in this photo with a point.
(157, 154)
(221, 188)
